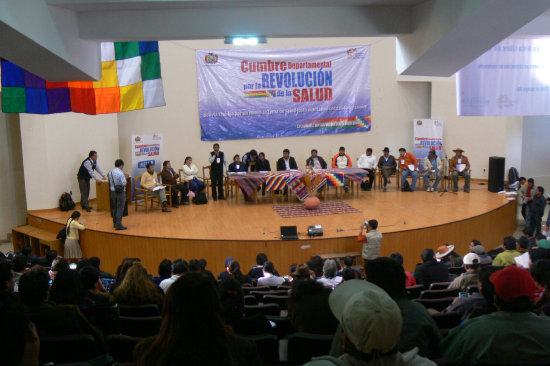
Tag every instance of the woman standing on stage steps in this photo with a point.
(72, 245)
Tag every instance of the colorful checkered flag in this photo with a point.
(131, 80)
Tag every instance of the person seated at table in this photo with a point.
(249, 160)
(287, 162)
(262, 164)
(149, 181)
(367, 162)
(190, 172)
(387, 166)
(316, 161)
(409, 166)
(341, 161)
(460, 165)
(169, 176)
(432, 169)
(235, 167)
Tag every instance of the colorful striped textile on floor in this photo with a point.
(326, 208)
(249, 182)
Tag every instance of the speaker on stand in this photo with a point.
(496, 174)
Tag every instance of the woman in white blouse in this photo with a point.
(72, 246)
(190, 172)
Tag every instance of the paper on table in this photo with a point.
(157, 188)
(410, 166)
(241, 172)
(523, 260)
(510, 198)
(460, 167)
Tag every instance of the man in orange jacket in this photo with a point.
(409, 166)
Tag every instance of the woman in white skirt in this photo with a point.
(72, 246)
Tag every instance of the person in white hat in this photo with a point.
(372, 324)
(471, 263)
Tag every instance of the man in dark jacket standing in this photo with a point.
(217, 161)
(536, 211)
(85, 173)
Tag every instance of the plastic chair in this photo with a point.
(303, 346)
(67, 349)
(121, 347)
(438, 294)
(265, 309)
(140, 326)
(268, 348)
(436, 304)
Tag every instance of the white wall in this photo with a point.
(479, 137)
(535, 151)
(394, 105)
(13, 208)
(55, 145)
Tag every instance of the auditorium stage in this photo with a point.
(409, 221)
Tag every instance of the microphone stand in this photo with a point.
(443, 176)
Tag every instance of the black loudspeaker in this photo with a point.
(496, 174)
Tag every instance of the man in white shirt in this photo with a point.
(179, 268)
(269, 279)
(368, 162)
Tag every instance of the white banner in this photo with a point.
(428, 135)
(511, 79)
(146, 148)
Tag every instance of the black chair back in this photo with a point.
(303, 346)
(146, 310)
(448, 320)
(104, 316)
(413, 292)
(121, 347)
(265, 309)
(250, 300)
(438, 294)
(282, 301)
(283, 327)
(436, 304)
(439, 285)
(268, 348)
(67, 349)
(140, 326)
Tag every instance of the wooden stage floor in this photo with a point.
(409, 221)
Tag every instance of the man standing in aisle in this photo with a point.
(459, 165)
(149, 181)
(85, 173)
(387, 166)
(409, 166)
(368, 162)
(217, 161)
(117, 184)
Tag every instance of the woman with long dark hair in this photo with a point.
(137, 288)
(192, 331)
(72, 245)
(235, 270)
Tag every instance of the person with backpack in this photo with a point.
(85, 173)
(72, 245)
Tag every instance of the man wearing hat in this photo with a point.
(471, 263)
(371, 322)
(459, 165)
(432, 169)
(387, 165)
(446, 254)
(512, 333)
(484, 259)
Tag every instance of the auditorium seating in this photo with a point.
(436, 304)
(413, 292)
(446, 321)
(281, 300)
(439, 285)
(121, 347)
(438, 294)
(268, 348)
(265, 309)
(139, 310)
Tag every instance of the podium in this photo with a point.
(103, 194)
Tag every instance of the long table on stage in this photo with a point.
(301, 182)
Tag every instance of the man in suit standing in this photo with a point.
(217, 161)
(287, 162)
(85, 173)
